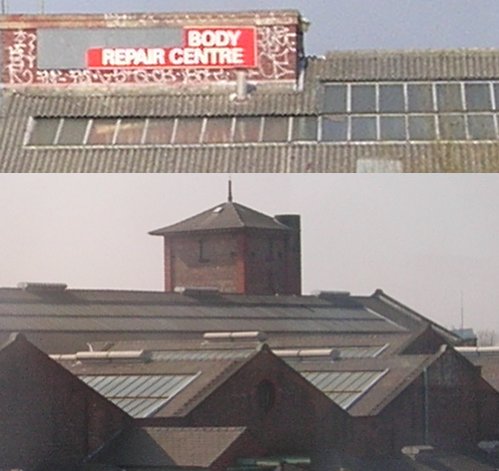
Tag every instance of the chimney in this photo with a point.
(293, 258)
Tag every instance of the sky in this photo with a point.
(335, 24)
(424, 239)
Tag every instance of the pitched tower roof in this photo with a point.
(225, 216)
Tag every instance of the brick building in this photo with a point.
(234, 249)
(234, 92)
(262, 379)
(50, 419)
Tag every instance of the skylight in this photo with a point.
(140, 396)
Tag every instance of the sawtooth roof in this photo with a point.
(228, 215)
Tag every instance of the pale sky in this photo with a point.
(336, 24)
(423, 239)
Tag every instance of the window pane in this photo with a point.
(478, 96)
(188, 130)
(392, 128)
(391, 98)
(73, 131)
(217, 130)
(102, 132)
(275, 129)
(449, 97)
(363, 98)
(496, 93)
(247, 130)
(481, 126)
(335, 99)
(130, 131)
(452, 127)
(334, 128)
(420, 97)
(422, 128)
(44, 131)
(363, 129)
(159, 131)
(304, 128)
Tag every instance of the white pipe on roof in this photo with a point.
(118, 355)
(236, 335)
(491, 349)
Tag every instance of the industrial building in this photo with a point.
(233, 368)
(234, 92)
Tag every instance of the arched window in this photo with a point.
(265, 395)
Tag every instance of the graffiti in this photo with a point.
(276, 45)
(21, 57)
(276, 53)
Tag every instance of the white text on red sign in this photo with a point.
(203, 47)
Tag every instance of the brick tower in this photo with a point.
(235, 249)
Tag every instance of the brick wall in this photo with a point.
(245, 262)
(50, 419)
(460, 409)
(301, 419)
(213, 265)
(266, 269)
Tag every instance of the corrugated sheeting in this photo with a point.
(344, 387)
(406, 65)
(138, 395)
(261, 158)
(133, 104)
(276, 158)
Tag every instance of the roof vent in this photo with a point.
(331, 294)
(197, 291)
(43, 287)
(132, 355)
(232, 336)
(309, 353)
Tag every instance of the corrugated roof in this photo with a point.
(446, 64)
(432, 156)
(190, 447)
(228, 215)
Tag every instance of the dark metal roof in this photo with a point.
(228, 215)
(94, 311)
(64, 321)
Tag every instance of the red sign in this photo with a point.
(203, 47)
